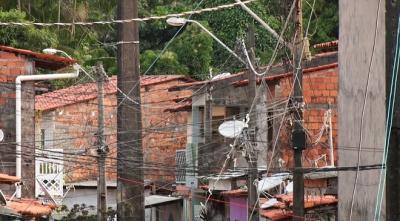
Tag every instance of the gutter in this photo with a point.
(18, 112)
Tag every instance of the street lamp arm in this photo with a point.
(216, 39)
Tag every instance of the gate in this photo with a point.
(49, 172)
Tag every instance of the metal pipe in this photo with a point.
(18, 112)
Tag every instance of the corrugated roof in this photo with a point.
(154, 200)
(46, 61)
(88, 91)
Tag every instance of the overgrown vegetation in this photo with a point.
(192, 52)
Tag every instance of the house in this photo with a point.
(12, 208)
(13, 63)
(227, 98)
(66, 123)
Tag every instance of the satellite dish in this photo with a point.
(232, 129)
(1, 135)
(220, 76)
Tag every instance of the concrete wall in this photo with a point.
(357, 29)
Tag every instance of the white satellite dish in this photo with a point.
(232, 129)
(1, 135)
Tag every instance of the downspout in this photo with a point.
(18, 110)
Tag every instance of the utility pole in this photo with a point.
(101, 149)
(130, 196)
(298, 134)
(251, 156)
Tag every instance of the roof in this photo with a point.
(88, 91)
(4, 211)
(276, 72)
(236, 193)
(288, 74)
(30, 207)
(7, 179)
(46, 61)
(327, 45)
(155, 200)
(91, 183)
(182, 106)
(281, 210)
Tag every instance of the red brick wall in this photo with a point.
(320, 89)
(11, 66)
(163, 133)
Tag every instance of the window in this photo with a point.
(180, 159)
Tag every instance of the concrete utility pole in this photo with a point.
(130, 196)
(102, 148)
(298, 134)
(251, 156)
(393, 163)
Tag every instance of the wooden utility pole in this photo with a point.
(251, 157)
(130, 196)
(298, 134)
(102, 148)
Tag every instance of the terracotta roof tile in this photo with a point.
(7, 179)
(46, 61)
(88, 91)
(237, 192)
(30, 207)
(283, 211)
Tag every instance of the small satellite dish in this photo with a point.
(220, 76)
(232, 129)
(1, 135)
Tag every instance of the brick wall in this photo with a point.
(11, 66)
(320, 90)
(73, 127)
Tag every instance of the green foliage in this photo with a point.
(192, 52)
(27, 37)
(167, 64)
(194, 49)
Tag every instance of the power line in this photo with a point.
(122, 21)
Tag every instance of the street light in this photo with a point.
(53, 51)
(177, 22)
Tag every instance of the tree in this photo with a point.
(27, 37)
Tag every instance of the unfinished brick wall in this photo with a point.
(320, 90)
(12, 66)
(75, 125)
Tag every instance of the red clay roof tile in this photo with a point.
(30, 207)
(7, 179)
(88, 91)
(46, 61)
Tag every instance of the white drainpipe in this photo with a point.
(18, 115)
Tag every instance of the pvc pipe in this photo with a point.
(18, 112)
(332, 160)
